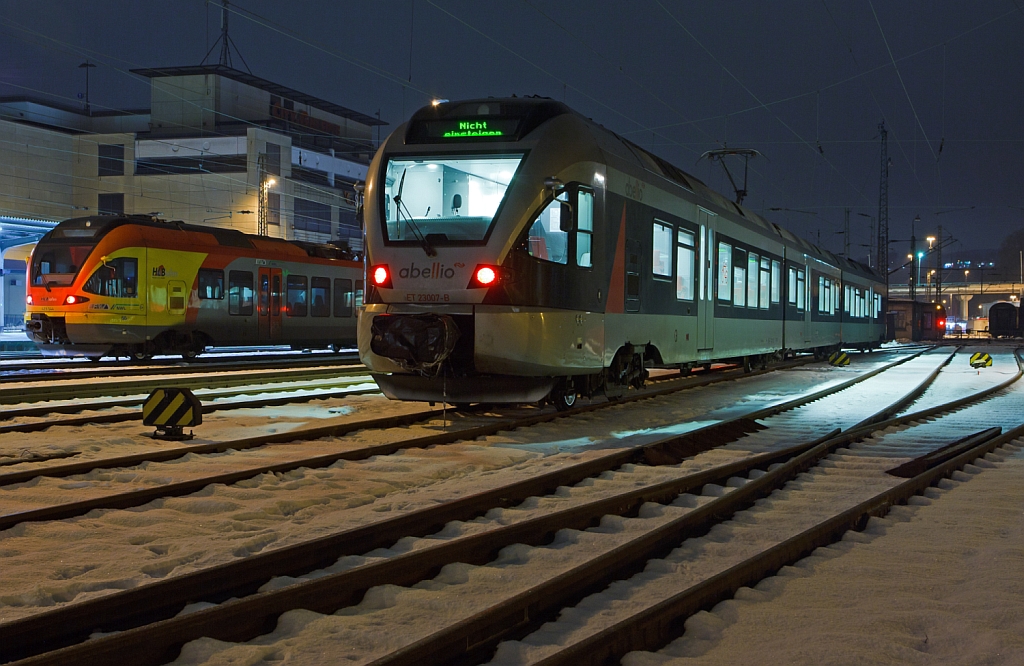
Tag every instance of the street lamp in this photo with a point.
(930, 239)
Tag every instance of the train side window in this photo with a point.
(240, 293)
(211, 284)
(546, 240)
(763, 284)
(776, 281)
(661, 263)
(801, 290)
(584, 228)
(791, 283)
(724, 272)
(342, 297)
(739, 277)
(320, 297)
(295, 295)
(753, 261)
(359, 293)
(684, 265)
(118, 278)
(821, 294)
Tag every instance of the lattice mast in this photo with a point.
(883, 209)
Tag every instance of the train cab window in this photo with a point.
(342, 297)
(359, 293)
(739, 278)
(547, 239)
(584, 228)
(724, 272)
(118, 278)
(240, 294)
(684, 265)
(765, 282)
(753, 261)
(211, 284)
(295, 295)
(661, 263)
(320, 297)
(776, 281)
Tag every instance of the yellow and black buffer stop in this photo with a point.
(839, 359)
(981, 360)
(171, 410)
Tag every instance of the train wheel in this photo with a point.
(189, 355)
(141, 356)
(564, 399)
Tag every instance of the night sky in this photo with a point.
(804, 82)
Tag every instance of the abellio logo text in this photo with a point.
(435, 271)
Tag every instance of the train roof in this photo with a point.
(512, 118)
(94, 227)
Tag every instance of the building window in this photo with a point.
(273, 158)
(111, 159)
(312, 216)
(661, 264)
(211, 284)
(240, 293)
(273, 208)
(110, 204)
(118, 278)
(296, 295)
(320, 297)
(342, 297)
(584, 228)
(684, 265)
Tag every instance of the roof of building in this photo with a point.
(263, 84)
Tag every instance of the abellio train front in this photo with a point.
(519, 252)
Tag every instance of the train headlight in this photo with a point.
(71, 299)
(484, 276)
(381, 276)
(28, 300)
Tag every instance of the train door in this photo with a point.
(269, 304)
(706, 302)
(633, 263)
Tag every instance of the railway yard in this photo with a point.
(860, 514)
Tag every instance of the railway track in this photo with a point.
(247, 575)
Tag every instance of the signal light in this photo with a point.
(484, 276)
(71, 299)
(381, 276)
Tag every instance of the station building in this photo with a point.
(217, 146)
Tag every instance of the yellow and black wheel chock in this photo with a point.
(839, 359)
(171, 410)
(981, 360)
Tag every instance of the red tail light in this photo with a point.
(380, 276)
(71, 299)
(484, 276)
(942, 323)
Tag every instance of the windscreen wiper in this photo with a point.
(431, 252)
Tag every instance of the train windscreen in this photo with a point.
(59, 255)
(438, 199)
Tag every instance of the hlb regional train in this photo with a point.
(139, 286)
(518, 251)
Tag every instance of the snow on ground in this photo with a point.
(43, 564)
(940, 581)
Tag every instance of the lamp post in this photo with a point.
(87, 66)
(914, 259)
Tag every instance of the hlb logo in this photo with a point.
(436, 271)
(159, 271)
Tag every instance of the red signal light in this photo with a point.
(381, 276)
(484, 276)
